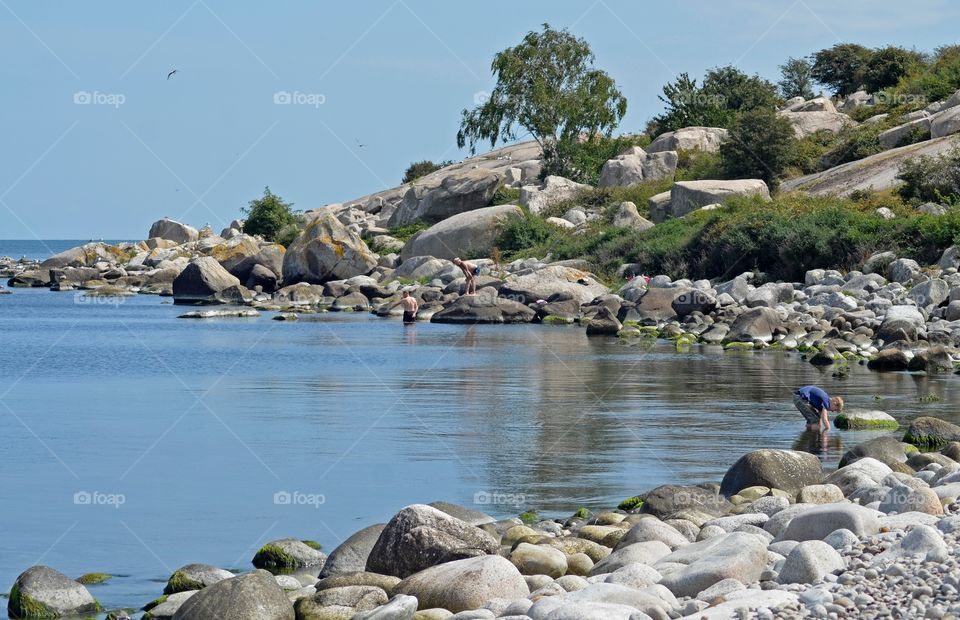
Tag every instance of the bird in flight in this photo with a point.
(358, 143)
(169, 75)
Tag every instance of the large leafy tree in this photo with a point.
(726, 91)
(796, 78)
(841, 67)
(546, 85)
(887, 65)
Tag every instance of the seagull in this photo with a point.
(358, 143)
(169, 75)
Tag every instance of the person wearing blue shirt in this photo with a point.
(814, 403)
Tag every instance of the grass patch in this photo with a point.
(529, 517)
(403, 233)
(631, 503)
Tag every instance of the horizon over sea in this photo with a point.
(135, 442)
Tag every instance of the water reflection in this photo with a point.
(828, 446)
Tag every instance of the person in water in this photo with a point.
(410, 307)
(471, 272)
(814, 403)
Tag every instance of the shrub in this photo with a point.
(423, 168)
(855, 142)
(931, 178)
(936, 80)
(523, 233)
(505, 195)
(268, 215)
(796, 79)
(761, 145)
(582, 161)
(403, 233)
(695, 164)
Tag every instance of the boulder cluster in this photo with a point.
(778, 537)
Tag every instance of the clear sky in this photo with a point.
(98, 143)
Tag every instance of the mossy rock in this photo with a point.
(865, 420)
(179, 582)
(631, 503)
(557, 320)
(582, 513)
(806, 348)
(90, 579)
(160, 599)
(312, 544)
(738, 346)
(529, 517)
(22, 606)
(931, 433)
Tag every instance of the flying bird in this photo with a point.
(169, 75)
(358, 143)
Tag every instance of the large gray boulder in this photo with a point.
(809, 562)
(553, 190)
(195, 577)
(755, 324)
(201, 280)
(42, 592)
(664, 303)
(473, 233)
(421, 536)
(809, 123)
(634, 166)
(465, 584)
(706, 139)
(173, 231)
(326, 250)
(695, 567)
(627, 216)
(668, 500)
(787, 470)
(351, 555)
(687, 196)
(435, 198)
(817, 522)
(877, 172)
(287, 554)
(251, 596)
(901, 323)
(487, 306)
(930, 432)
(907, 133)
(552, 279)
(945, 123)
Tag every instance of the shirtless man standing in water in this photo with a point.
(410, 307)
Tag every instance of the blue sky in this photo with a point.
(391, 74)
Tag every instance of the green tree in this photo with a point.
(761, 145)
(796, 78)
(547, 86)
(841, 67)
(267, 216)
(725, 92)
(888, 65)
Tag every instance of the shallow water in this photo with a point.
(180, 432)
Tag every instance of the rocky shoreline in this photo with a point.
(778, 537)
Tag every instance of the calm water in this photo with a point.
(180, 433)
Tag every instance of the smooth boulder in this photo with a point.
(173, 231)
(473, 233)
(251, 596)
(42, 592)
(326, 250)
(351, 555)
(465, 584)
(788, 470)
(201, 280)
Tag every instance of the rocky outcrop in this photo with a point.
(473, 233)
(688, 196)
(326, 250)
(550, 280)
(435, 198)
(706, 139)
(946, 123)
(876, 172)
(553, 190)
(809, 123)
(634, 166)
(487, 306)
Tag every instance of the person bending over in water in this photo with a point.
(814, 403)
(410, 307)
(471, 272)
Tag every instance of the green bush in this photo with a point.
(403, 233)
(268, 215)
(694, 165)
(423, 168)
(583, 161)
(505, 196)
(935, 81)
(931, 178)
(888, 65)
(841, 67)
(524, 233)
(761, 145)
(855, 142)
